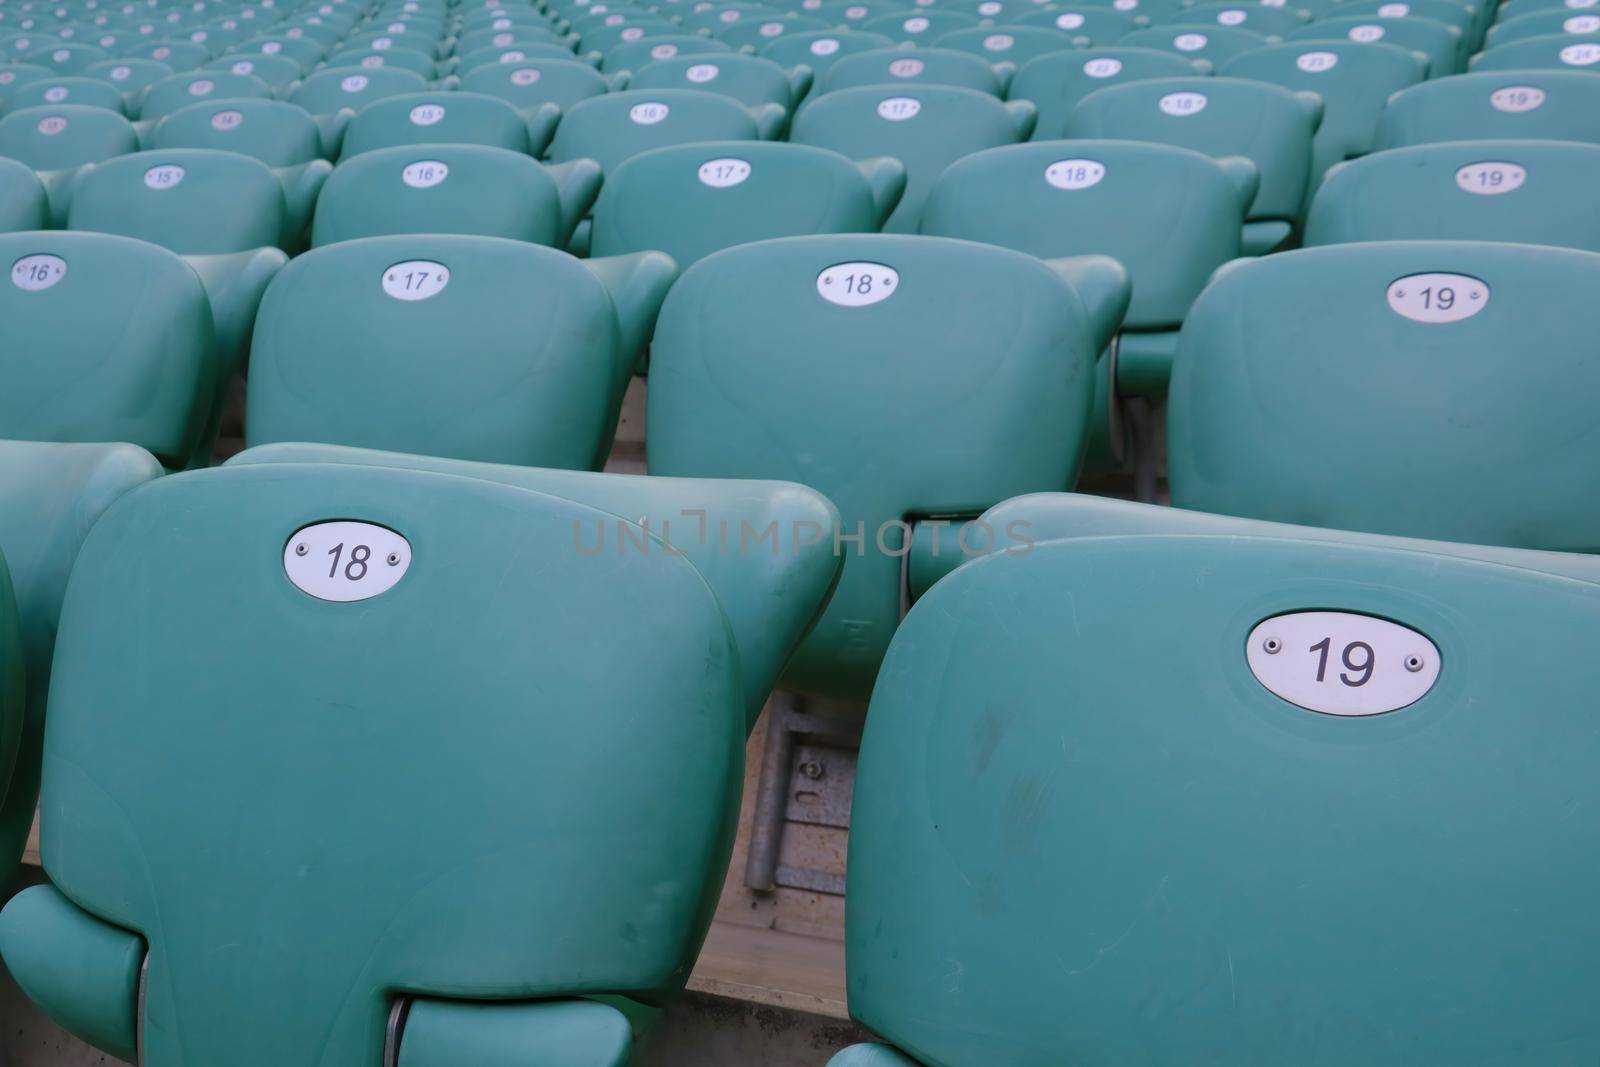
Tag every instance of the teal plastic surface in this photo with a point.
(750, 80)
(448, 117)
(1267, 124)
(928, 66)
(527, 85)
(337, 359)
(1351, 415)
(23, 205)
(752, 33)
(118, 348)
(51, 494)
(279, 72)
(821, 49)
(1443, 45)
(81, 90)
(1169, 215)
(277, 133)
(925, 127)
(669, 201)
(871, 1056)
(1008, 43)
(772, 587)
(129, 76)
(1558, 19)
(1257, 18)
(219, 201)
(1210, 44)
(465, 828)
(745, 382)
(83, 973)
(552, 1033)
(1354, 88)
(58, 137)
(1527, 192)
(918, 26)
(1081, 824)
(1055, 83)
(1551, 52)
(168, 95)
(453, 188)
(610, 128)
(1089, 25)
(637, 54)
(337, 88)
(1532, 105)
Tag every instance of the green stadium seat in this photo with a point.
(1521, 105)
(692, 200)
(604, 38)
(1257, 17)
(1462, 16)
(307, 53)
(1212, 44)
(1011, 44)
(615, 126)
(280, 72)
(400, 58)
(925, 127)
(920, 26)
(771, 598)
(179, 55)
(1413, 461)
(89, 357)
(68, 58)
(920, 66)
(463, 189)
(753, 33)
(1542, 23)
(1355, 82)
(1171, 216)
(279, 134)
(497, 928)
(506, 37)
(181, 90)
(1524, 192)
(448, 118)
(1055, 83)
(537, 345)
(750, 80)
(53, 494)
(1552, 52)
(745, 380)
(637, 54)
(1444, 45)
(23, 203)
(821, 49)
(850, 14)
(1517, 8)
(15, 76)
(714, 17)
(1267, 124)
(516, 52)
(57, 139)
(335, 89)
(1115, 824)
(1089, 26)
(81, 90)
(529, 85)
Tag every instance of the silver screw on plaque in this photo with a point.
(1272, 645)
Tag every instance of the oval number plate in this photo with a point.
(1342, 663)
(346, 561)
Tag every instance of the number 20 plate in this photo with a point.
(1342, 663)
(345, 561)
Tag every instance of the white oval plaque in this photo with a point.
(906, 68)
(648, 114)
(1104, 67)
(227, 120)
(346, 561)
(1233, 16)
(1491, 178)
(1582, 24)
(424, 173)
(1581, 55)
(1190, 42)
(525, 76)
(899, 108)
(426, 114)
(663, 51)
(1517, 98)
(915, 25)
(1183, 104)
(415, 279)
(36, 272)
(854, 285)
(1074, 173)
(164, 176)
(999, 42)
(1366, 34)
(51, 125)
(1342, 663)
(1070, 21)
(1316, 62)
(1438, 298)
(722, 173)
(824, 46)
(201, 87)
(55, 94)
(702, 72)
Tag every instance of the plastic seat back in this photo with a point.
(1063, 838)
(63, 136)
(1521, 105)
(1440, 43)
(181, 90)
(446, 118)
(463, 189)
(1008, 43)
(277, 71)
(1527, 192)
(532, 83)
(1486, 340)
(821, 49)
(925, 127)
(1088, 25)
(923, 66)
(746, 370)
(106, 339)
(82, 91)
(524, 905)
(1558, 20)
(1552, 52)
(611, 128)
(1213, 44)
(1353, 80)
(637, 54)
(692, 200)
(371, 342)
(1055, 83)
(23, 205)
(337, 88)
(194, 201)
(1255, 17)
(1169, 215)
(919, 26)
(751, 80)
(279, 134)
(1267, 124)
(753, 33)
(129, 76)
